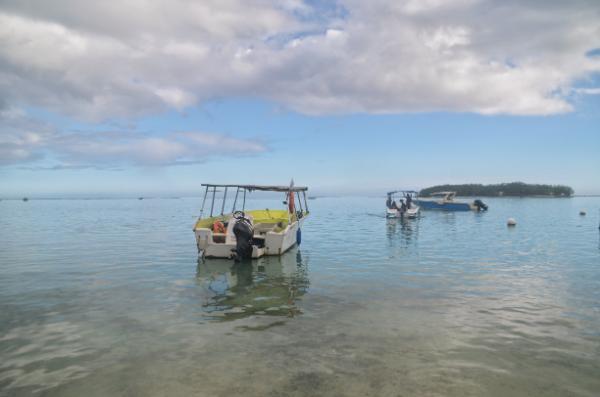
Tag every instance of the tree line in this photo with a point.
(513, 189)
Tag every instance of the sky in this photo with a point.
(347, 97)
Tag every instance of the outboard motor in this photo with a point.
(480, 205)
(244, 232)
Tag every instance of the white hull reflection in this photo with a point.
(268, 286)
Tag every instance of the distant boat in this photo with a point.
(140, 198)
(445, 201)
(25, 199)
(312, 197)
(408, 210)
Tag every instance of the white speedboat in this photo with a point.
(406, 208)
(243, 234)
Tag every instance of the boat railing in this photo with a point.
(211, 191)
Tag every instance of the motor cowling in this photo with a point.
(481, 206)
(244, 232)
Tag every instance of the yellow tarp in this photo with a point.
(259, 216)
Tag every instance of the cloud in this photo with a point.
(24, 139)
(588, 91)
(21, 138)
(98, 61)
(483, 57)
(177, 148)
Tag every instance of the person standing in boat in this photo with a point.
(388, 202)
(408, 200)
(402, 206)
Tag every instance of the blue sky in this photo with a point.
(344, 98)
(349, 154)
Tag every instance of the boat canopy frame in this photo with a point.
(403, 191)
(211, 189)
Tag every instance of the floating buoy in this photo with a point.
(511, 222)
(582, 212)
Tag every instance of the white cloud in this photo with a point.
(119, 61)
(21, 138)
(588, 91)
(446, 37)
(116, 148)
(423, 6)
(26, 140)
(176, 98)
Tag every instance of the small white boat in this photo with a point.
(407, 207)
(244, 234)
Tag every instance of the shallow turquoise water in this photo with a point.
(106, 297)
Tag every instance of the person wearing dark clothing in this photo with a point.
(408, 200)
(394, 205)
(388, 203)
(402, 206)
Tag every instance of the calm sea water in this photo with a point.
(107, 298)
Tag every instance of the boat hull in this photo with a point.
(213, 245)
(444, 205)
(410, 213)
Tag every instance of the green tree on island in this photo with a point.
(513, 189)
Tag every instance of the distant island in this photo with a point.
(513, 189)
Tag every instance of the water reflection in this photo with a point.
(269, 286)
(406, 228)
